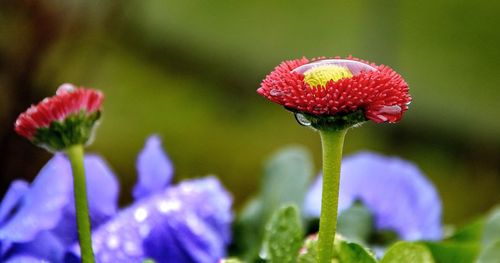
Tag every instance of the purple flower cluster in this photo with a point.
(394, 190)
(189, 222)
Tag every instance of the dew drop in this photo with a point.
(105, 257)
(140, 214)
(113, 227)
(355, 67)
(395, 109)
(276, 93)
(131, 249)
(264, 253)
(382, 117)
(144, 230)
(113, 242)
(194, 225)
(167, 206)
(302, 120)
(65, 88)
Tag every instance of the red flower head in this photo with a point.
(62, 120)
(339, 91)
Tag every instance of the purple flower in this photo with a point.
(189, 222)
(38, 220)
(394, 190)
(184, 223)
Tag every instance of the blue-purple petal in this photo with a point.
(211, 202)
(14, 194)
(46, 246)
(194, 240)
(42, 206)
(168, 226)
(24, 259)
(397, 193)
(154, 169)
(102, 189)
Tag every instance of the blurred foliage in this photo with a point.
(188, 71)
(285, 181)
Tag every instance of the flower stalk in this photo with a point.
(75, 155)
(332, 142)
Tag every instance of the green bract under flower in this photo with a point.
(334, 122)
(75, 129)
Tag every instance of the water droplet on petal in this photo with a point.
(388, 113)
(194, 224)
(355, 67)
(113, 242)
(65, 88)
(144, 230)
(393, 110)
(131, 249)
(168, 206)
(302, 120)
(113, 227)
(276, 93)
(105, 257)
(140, 214)
(382, 117)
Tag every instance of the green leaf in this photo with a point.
(356, 223)
(453, 252)
(463, 246)
(283, 237)
(349, 252)
(491, 254)
(471, 232)
(345, 252)
(491, 231)
(408, 253)
(230, 260)
(286, 178)
(247, 231)
(309, 252)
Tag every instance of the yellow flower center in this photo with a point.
(320, 75)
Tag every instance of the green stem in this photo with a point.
(75, 155)
(332, 143)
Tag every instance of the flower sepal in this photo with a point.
(74, 129)
(336, 122)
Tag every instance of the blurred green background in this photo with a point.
(188, 70)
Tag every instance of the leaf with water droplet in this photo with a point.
(344, 252)
(491, 253)
(408, 252)
(276, 93)
(283, 237)
(350, 252)
(230, 260)
(491, 232)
